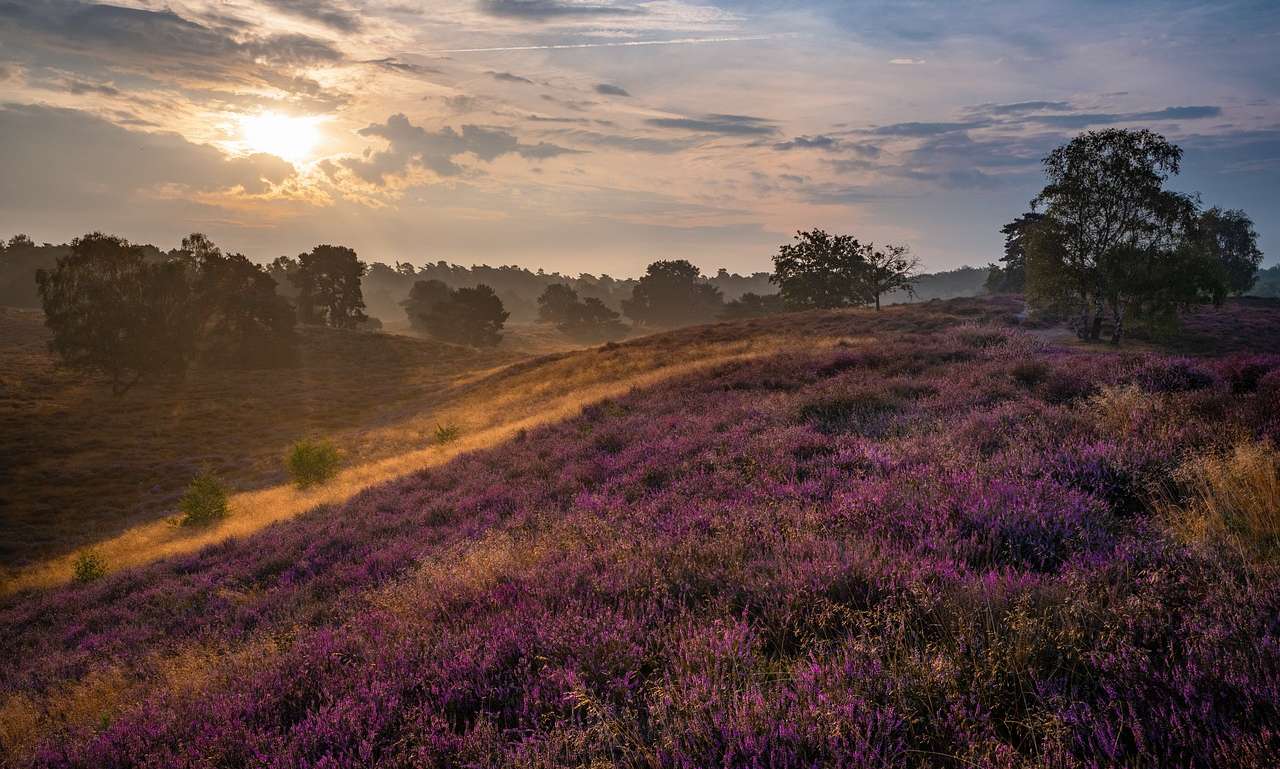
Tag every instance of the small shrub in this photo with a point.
(88, 567)
(1030, 373)
(446, 434)
(858, 412)
(1244, 374)
(312, 463)
(1173, 376)
(204, 502)
(1061, 387)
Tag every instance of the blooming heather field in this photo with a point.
(939, 545)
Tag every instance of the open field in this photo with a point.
(921, 538)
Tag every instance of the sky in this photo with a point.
(600, 135)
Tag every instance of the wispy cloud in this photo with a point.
(607, 44)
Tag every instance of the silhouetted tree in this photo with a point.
(282, 269)
(556, 302)
(671, 294)
(1012, 277)
(328, 283)
(470, 316)
(825, 271)
(241, 318)
(424, 296)
(820, 270)
(1230, 238)
(591, 321)
(753, 305)
(113, 311)
(891, 268)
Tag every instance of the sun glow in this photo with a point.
(285, 136)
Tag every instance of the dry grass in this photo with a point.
(1231, 497)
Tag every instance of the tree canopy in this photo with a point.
(820, 270)
(470, 316)
(1012, 277)
(423, 297)
(328, 282)
(1230, 238)
(1114, 242)
(671, 293)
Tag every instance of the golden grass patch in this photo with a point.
(1232, 497)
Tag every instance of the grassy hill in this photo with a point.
(917, 538)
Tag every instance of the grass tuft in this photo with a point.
(446, 434)
(1232, 496)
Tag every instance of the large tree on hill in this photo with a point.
(1229, 236)
(1105, 195)
(113, 311)
(470, 316)
(671, 293)
(825, 271)
(328, 283)
(820, 270)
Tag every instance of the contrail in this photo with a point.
(619, 44)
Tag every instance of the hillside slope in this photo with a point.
(379, 398)
(933, 544)
(81, 465)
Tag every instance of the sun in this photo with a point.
(285, 136)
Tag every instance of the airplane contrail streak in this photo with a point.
(619, 44)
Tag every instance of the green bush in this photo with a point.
(204, 502)
(88, 567)
(446, 434)
(311, 463)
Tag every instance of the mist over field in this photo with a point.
(694, 383)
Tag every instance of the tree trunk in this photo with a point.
(877, 302)
(1118, 331)
(1095, 331)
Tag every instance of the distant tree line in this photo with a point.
(1107, 243)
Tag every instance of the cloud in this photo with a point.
(726, 125)
(55, 159)
(162, 45)
(410, 145)
(1023, 107)
(828, 143)
(508, 77)
(1082, 120)
(325, 13)
(611, 90)
(398, 65)
(904, 61)
(924, 129)
(541, 10)
(626, 143)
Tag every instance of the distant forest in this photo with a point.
(385, 287)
